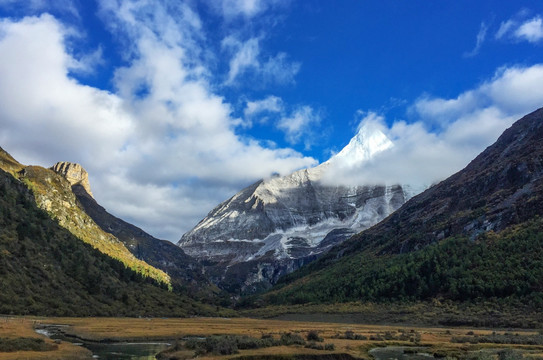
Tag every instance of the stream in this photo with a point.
(107, 351)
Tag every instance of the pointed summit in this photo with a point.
(368, 142)
(276, 225)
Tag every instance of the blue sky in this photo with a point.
(174, 106)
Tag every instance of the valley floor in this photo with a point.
(351, 340)
(496, 314)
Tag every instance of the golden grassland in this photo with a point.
(24, 328)
(155, 328)
(134, 329)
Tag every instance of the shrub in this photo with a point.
(221, 345)
(505, 338)
(509, 354)
(229, 344)
(291, 339)
(313, 335)
(314, 345)
(350, 335)
(25, 344)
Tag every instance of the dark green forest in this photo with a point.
(505, 265)
(45, 270)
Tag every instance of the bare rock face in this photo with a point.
(74, 173)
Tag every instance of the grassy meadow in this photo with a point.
(354, 340)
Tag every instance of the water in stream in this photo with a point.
(109, 351)
(133, 351)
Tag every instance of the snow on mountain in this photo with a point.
(275, 225)
(368, 142)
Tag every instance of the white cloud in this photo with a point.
(445, 134)
(515, 90)
(522, 30)
(42, 108)
(245, 56)
(36, 6)
(161, 157)
(246, 59)
(279, 69)
(246, 8)
(88, 62)
(531, 30)
(481, 36)
(505, 28)
(299, 125)
(272, 104)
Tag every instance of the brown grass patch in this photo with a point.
(16, 327)
(123, 329)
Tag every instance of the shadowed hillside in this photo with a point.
(185, 272)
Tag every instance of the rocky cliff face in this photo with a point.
(74, 173)
(276, 225)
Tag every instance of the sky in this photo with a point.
(174, 106)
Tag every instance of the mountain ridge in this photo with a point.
(431, 246)
(46, 271)
(276, 225)
(53, 193)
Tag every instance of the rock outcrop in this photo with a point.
(74, 173)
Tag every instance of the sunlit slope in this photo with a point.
(46, 270)
(53, 194)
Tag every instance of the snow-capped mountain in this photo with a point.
(276, 225)
(368, 142)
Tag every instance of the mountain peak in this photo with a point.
(368, 142)
(74, 173)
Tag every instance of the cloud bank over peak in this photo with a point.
(445, 134)
(162, 149)
(173, 106)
